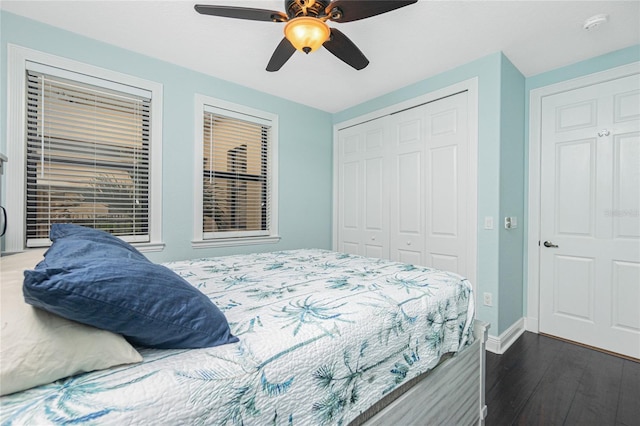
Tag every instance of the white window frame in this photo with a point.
(17, 65)
(229, 109)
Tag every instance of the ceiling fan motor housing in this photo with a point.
(315, 8)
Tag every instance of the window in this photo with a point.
(88, 145)
(235, 175)
(87, 158)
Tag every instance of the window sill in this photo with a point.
(229, 242)
(141, 247)
(149, 247)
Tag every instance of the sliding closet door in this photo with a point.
(447, 181)
(403, 186)
(363, 216)
(407, 183)
(429, 179)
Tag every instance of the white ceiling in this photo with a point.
(403, 46)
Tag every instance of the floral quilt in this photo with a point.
(323, 336)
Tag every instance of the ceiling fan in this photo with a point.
(306, 28)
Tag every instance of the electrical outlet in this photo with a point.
(488, 299)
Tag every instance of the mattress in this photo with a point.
(323, 336)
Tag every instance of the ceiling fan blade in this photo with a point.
(281, 55)
(353, 10)
(344, 49)
(241, 13)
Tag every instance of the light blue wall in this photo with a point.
(579, 69)
(488, 70)
(305, 140)
(512, 170)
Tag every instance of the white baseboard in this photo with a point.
(531, 324)
(498, 345)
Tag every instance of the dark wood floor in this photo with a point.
(545, 381)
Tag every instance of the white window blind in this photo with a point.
(87, 158)
(236, 185)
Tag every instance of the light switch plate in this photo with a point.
(510, 222)
(487, 299)
(488, 222)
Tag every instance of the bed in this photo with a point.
(322, 338)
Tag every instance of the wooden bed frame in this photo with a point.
(453, 393)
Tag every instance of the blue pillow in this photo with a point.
(77, 243)
(147, 303)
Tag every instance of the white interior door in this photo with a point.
(363, 217)
(589, 218)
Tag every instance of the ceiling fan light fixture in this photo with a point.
(306, 28)
(306, 33)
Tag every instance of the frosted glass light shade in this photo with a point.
(306, 33)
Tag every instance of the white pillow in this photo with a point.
(37, 347)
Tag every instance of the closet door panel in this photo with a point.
(442, 208)
(409, 237)
(443, 261)
(443, 190)
(373, 193)
(409, 172)
(407, 189)
(446, 183)
(363, 217)
(375, 214)
(411, 257)
(349, 214)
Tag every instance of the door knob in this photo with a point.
(3, 221)
(549, 244)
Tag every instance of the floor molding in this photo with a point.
(498, 345)
(593, 348)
